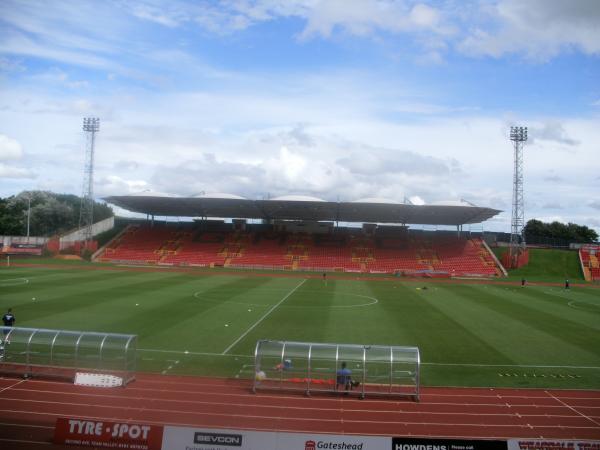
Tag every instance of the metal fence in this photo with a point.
(345, 368)
(61, 353)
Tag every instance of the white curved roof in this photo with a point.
(377, 200)
(149, 193)
(221, 195)
(297, 198)
(452, 203)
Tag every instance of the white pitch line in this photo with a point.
(524, 366)
(263, 317)
(185, 352)
(530, 366)
(571, 408)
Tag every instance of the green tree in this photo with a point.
(50, 213)
(569, 232)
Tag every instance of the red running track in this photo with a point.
(29, 408)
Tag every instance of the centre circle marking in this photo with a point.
(373, 301)
(582, 305)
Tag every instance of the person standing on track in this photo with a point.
(9, 320)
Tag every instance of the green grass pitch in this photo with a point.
(208, 324)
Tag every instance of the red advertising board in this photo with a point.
(102, 433)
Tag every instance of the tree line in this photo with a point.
(569, 232)
(50, 213)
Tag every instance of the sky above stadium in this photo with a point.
(337, 99)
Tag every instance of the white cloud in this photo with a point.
(14, 172)
(19, 44)
(322, 18)
(59, 77)
(167, 15)
(540, 29)
(10, 149)
(552, 131)
(416, 200)
(116, 185)
(424, 15)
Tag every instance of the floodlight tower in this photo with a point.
(91, 125)
(518, 135)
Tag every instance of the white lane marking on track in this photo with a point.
(226, 414)
(572, 409)
(290, 430)
(286, 403)
(21, 441)
(3, 424)
(12, 386)
(269, 311)
(286, 398)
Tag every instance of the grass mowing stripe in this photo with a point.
(460, 331)
(518, 330)
(531, 320)
(263, 317)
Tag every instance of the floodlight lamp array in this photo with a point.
(518, 134)
(91, 124)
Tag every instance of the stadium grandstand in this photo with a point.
(589, 257)
(304, 233)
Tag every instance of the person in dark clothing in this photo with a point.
(8, 320)
(344, 378)
(567, 284)
(523, 281)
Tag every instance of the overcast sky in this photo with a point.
(338, 99)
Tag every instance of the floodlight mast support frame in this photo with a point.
(518, 135)
(91, 126)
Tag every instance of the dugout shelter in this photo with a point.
(315, 367)
(39, 352)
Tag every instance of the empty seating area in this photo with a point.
(413, 254)
(589, 256)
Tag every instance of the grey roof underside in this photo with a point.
(304, 210)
